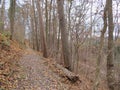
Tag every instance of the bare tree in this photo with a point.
(12, 15)
(110, 57)
(2, 10)
(46, 15)
(35, 25)
(42, 31)
(100, 54)
(64, 35)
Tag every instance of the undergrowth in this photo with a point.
(9, 56)
(5, 39)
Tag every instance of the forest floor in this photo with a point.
(28, 70)
(38, 73)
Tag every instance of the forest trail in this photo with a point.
(38, 75)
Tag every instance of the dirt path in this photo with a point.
(39, 74)
(36, 75)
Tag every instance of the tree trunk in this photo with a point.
(64, 35)
(42, 30)
(12, 15)
(70, 75)
(69, 30)
(32, 32)
(35, 26)
(110, 57)
(46, 23)
(100, 54)
(2, 16)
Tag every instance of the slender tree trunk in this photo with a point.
(42, 30)
(110, 57)
(100, 54)
(2, 16)
(12, 16)
(46, 23)
(55, 33)
(69, 30)
(49, 27)
(64, 35)
(33, 33)
(35, 26)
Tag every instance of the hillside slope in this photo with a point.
(10, 52)
(28, 70)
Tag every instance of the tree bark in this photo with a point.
(42, 30)
(2, 9)
(110, 57)
(12, 15)
(64, 35)
(46, 23)
(70, 75)
(100, 54)
(35, 26)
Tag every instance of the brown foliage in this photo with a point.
(8, 64)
